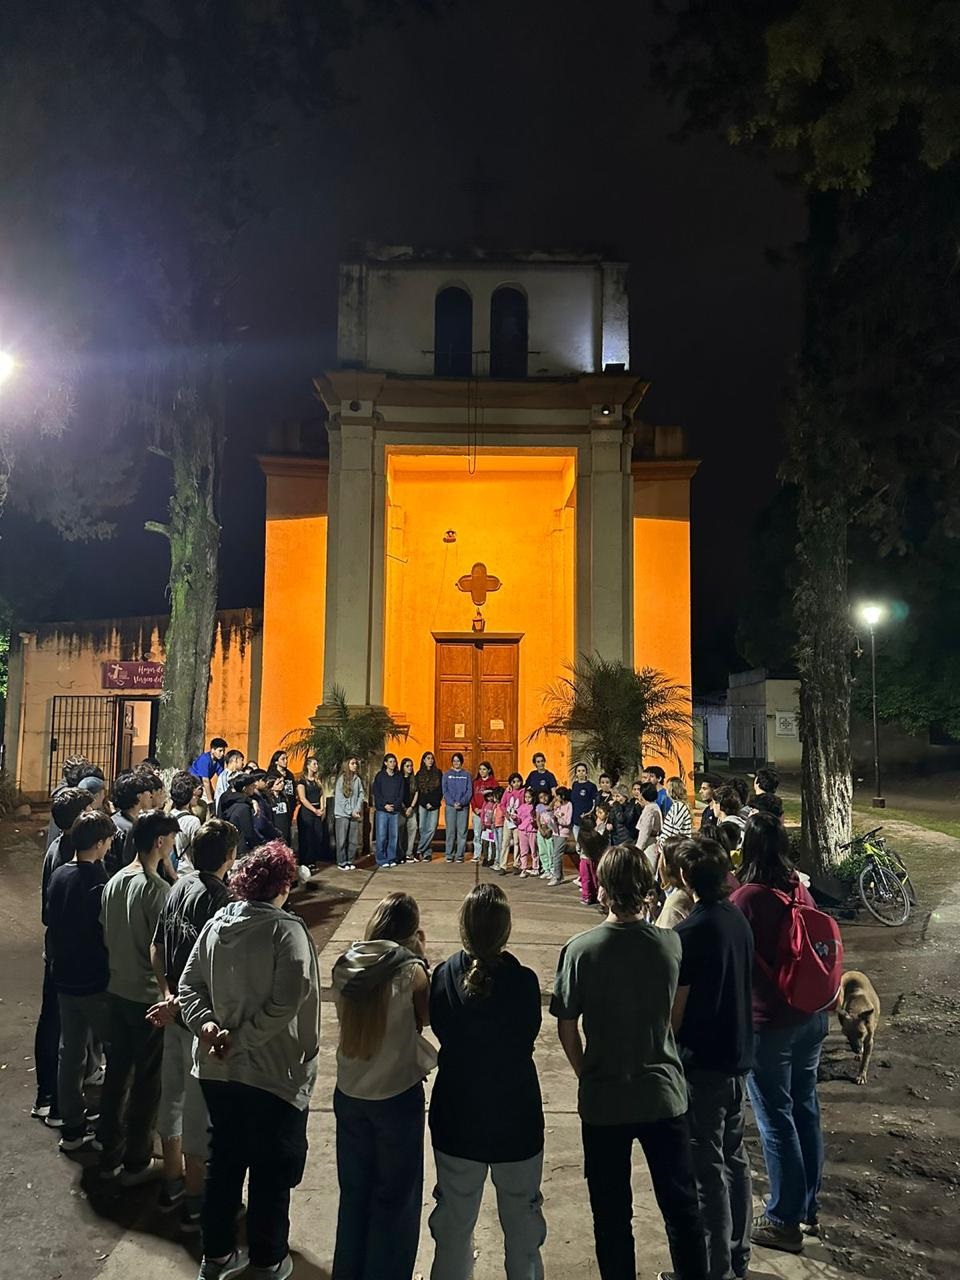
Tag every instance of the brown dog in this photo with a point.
(859, 1014)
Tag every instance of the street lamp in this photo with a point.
(871, 615)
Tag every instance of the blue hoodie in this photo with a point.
(457, 787)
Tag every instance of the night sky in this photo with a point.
(551, 102)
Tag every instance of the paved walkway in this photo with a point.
(542, 921)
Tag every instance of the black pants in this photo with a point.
(251, 1131)
(607, 1155)
(131, 1086)
(46, 1042)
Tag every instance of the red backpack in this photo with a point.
(809, 956)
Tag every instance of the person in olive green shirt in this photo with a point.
(130, 908)
(620, 980)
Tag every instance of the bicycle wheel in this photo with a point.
(883, 895)
(903, 875)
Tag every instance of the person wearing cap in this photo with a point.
(97, 789)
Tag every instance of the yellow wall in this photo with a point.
(517, 516)
(661, 584)
(64, 659)
(294, 591)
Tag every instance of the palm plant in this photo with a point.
(616, 715)
(342, 731)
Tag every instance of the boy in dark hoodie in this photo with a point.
(237, 806)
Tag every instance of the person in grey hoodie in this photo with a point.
(250, 993)
(457, 789)
(382, 995)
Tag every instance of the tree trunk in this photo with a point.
(193, 446)
(823, 660)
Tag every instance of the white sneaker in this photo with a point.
(304, 874)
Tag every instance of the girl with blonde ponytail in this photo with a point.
(485, 1012)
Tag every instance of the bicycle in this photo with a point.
(883, 885)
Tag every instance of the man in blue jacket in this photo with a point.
(457, 788)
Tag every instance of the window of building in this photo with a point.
(453, 334)
(508, 333)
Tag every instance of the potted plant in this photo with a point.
(616, 715)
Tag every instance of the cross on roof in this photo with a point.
(478, 582)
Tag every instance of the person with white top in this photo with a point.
(382, 997)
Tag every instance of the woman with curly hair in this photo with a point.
(251, 994)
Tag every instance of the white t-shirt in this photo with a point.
(189, 825)
(404, 1057)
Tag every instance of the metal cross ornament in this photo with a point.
(478, 583)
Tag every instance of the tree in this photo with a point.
(616, 714)
(133, 151)
(863, 101)
(343, 732)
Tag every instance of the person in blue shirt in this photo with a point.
(583, 796)
(209, 765)
(655, 776)
(540, 778)
(457, 788)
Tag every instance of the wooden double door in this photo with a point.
(476, 701)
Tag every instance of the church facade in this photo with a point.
(480, 502)
(490, 505)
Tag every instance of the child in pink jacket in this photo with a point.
(527, 835)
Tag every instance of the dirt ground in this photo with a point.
(890, 1198)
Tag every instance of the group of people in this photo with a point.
(172, 953)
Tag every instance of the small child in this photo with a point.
(546, 831)
(510, 802)
(563, 816)
(591, 846)
(601, 821)
(489, 845)
(527, 836)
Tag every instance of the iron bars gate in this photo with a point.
(84, 725)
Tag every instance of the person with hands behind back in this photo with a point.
(250, 992)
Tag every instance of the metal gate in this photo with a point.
(84, 726)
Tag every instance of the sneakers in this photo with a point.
(237, 1262)
(171, 1194)
(553, 882)
(152, 1170)
(303, 875)
(769, 1235)
(811, 1228)
(42, 1108)
(77, 1139)
(282, 1271)
(53, 1119)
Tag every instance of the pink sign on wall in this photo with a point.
(131, 675)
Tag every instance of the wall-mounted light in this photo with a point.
(606, 410)
(450, 535)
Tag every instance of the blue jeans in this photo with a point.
(380, 1171)
(783, 1091)
(429, 820)
(455, 827)
(386, 828)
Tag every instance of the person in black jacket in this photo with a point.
(237, 806)
(485, 1012)
(387, 795)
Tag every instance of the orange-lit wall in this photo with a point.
(295, 559)
(661, 596)
(516, 516)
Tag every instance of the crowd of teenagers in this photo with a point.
(171, 953)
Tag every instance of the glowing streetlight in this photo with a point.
(871, 615)
(7, 366)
